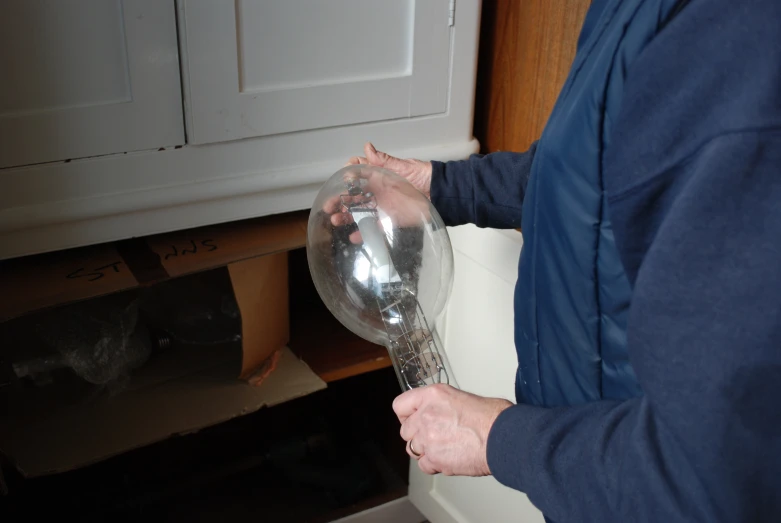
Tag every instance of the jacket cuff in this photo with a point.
(511, 445)
(452, 192)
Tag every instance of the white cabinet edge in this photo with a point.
(66, 223)
(424, 496)
(397, 511)
(490, 248)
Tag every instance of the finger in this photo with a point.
(341, 219)
(332, 205)
(369, 151)
(356, 238)
(336, 203)
(426, 466)
(385, 160)
(408, 430)
(412, 454)
(407, 403)
(356, 160)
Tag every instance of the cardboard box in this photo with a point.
(46, 280)
(184, 391)
(66, 425)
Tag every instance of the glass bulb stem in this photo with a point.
(411, 344)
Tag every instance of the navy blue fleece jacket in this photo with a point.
(693, 176)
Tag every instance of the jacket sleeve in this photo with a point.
(704, 442)
(485, 190)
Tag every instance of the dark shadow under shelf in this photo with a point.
(330, 349)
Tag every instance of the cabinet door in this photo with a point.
(261, 67)
(87, 77)
(478, 341)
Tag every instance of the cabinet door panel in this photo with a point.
(262, 67)
(86, 78)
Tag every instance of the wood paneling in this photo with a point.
(526, 49)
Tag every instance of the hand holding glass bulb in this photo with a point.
(397, 196)
(416, 172)
(446, 429)
(381, 260)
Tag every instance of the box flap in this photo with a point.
(41, 437)
(193, 250)
(51, 279)
(45, 280)
(260, 286)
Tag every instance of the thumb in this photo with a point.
(383, 159)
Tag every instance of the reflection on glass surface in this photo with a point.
(382, 262)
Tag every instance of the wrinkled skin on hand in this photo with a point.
(391, 195)
(448, 428)
(417, 172)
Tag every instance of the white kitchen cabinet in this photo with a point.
(86, 78)
(101, 140)
(276, 96)
(260, 67)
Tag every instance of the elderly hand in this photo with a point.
(447, 429)
(398, 199)
(417, 172)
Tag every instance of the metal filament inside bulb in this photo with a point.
(411, 343)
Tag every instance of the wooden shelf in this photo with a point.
(333, 352)
(330, 349)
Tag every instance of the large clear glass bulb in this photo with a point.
(381, 260)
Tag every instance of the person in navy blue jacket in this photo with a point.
(648, 300)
